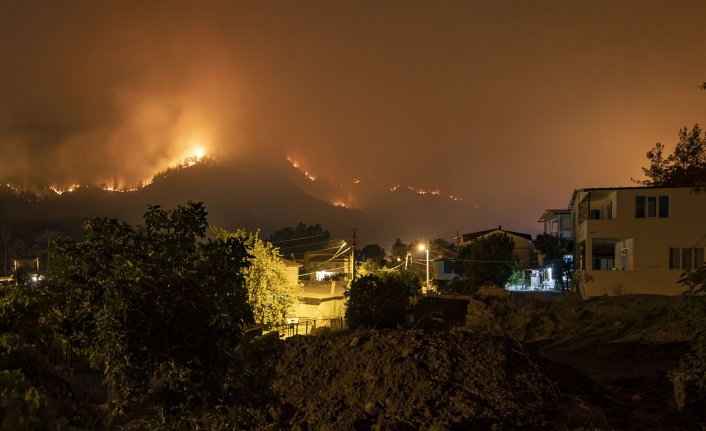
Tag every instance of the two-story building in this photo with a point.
(524, 248)
(557, 222)
(636, 239)
(334, 258)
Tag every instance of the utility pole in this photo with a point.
(4, 249)
(353, 256)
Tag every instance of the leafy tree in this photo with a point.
(686, 166)
(373, 252)
(157, 308)
(440, 248)
(554, 248)
(487, 260)
(693, 364)
(380, 300)
(33, 395)
(400, 249)
(270, 295)
(299, 239)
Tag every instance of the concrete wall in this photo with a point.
(648, 259)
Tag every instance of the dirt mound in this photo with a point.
(627, 318)
(411, 379)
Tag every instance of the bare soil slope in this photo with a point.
(411, 379)
(520, 362)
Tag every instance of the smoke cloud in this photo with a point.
(510, 106)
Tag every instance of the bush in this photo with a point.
(24, 407)
(33, 395)
(379, 301)
(487, 260)
(157, 308)
(692, 367)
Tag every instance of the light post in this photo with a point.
(423, 247)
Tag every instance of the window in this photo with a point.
(664, 206)
(686, 258)
(611, 254)
(448, 266)
(652, 206)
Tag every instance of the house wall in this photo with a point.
(524, 249)
(292, 275)
(565, 226)
(437, 268)
(326, 308)
(647, 240)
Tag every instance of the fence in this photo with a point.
(308, 326)
(62, 354)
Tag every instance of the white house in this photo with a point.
(636, 239)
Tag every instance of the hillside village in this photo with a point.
(625, 240)
(593, 333)
(596, 323)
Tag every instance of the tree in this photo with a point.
(399, 249)
(487, 260)
(270, 295)
(554, 248)
(441, 248)
(157, 308)
(299, 239)
(35, 395)
(686, 166)
(373, 252)
(380, 300)
(692, 366)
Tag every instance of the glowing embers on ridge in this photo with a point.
(60, 190)
(296, 165)
(434, 192)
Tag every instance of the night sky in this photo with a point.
(508, 104)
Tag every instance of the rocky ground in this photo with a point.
(516, 362)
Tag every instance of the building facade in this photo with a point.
(636, 239)
(557, 222)
(524, 248)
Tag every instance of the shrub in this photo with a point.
(379, 301)
(157, 308)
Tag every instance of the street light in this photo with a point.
(423, 247)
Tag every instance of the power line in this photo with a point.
(308, 244)
(300, 238)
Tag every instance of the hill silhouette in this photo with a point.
(254, 195)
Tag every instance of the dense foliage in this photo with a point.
(33, 395)
(487, 260)
(439, 248)
(270, 295)
(686, 166)
(373, 252)
(381, 300)
(299, 239)
(157, 308)
(693, 365)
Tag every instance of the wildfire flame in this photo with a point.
(296, 165)
(59, 190)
